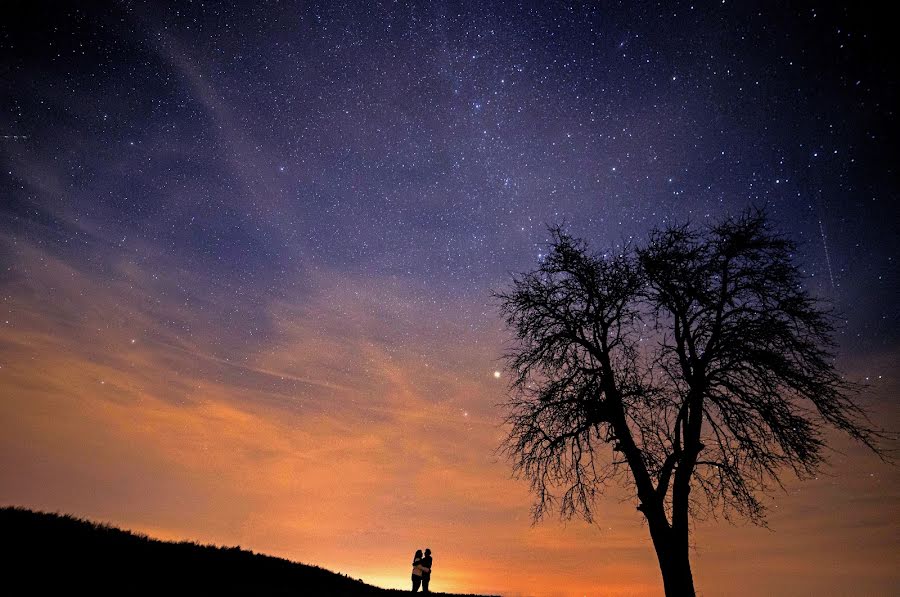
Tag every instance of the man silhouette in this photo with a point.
(426, 570)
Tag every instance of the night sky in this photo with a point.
(246, 257)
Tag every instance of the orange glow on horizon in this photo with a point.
(338, 444)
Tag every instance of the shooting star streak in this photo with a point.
(827, 254)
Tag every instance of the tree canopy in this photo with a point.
(700, 358)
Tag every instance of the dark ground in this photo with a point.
(60, 554)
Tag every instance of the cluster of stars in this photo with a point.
(216, 164)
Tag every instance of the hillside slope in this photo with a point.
(58, 554)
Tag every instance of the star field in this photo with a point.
(247, 249)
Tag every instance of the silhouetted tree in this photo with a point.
(699, 358)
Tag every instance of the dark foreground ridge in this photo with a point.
(52, 554)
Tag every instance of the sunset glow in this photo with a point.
(252, 307)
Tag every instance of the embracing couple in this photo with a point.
(421, 572)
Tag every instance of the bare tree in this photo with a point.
(700, 361)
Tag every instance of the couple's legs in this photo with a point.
(425, 582)
(417, 580)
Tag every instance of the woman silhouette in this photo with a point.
(417, 571)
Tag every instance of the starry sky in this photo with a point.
(246, 257)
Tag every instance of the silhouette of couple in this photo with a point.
(421, 572)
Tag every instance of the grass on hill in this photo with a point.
(53, 554)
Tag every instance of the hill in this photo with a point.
(60, 554)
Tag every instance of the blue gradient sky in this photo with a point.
(246, 257)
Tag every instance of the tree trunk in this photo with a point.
(676, 568)
(673, 549)
(672, 553)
